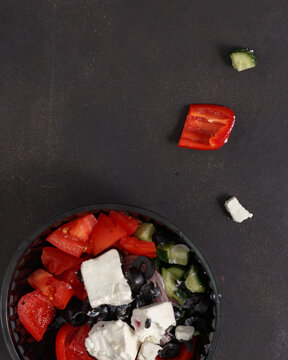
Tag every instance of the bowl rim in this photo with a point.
(96, 207)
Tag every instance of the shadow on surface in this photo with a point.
(221, 200)
(224, 52)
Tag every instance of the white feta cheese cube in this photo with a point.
(148, 351)
(151, 321)
(184, 333)
(104, 280)
(236, 210)
(112, 340)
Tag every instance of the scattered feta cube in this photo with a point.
(236, 210)
(151, 321)
(104, 280)
(112, 340)
(148, 351)
(184, 333)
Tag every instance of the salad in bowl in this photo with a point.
(110, 282)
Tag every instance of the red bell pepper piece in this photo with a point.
(207, 127)
(137, 247)
(70, 277)
(57, 261)
(58, 292)
(64, 339)
(105, 233)
(35, 313)
(128, 222)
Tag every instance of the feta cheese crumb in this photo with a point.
(158, 316)
(184, 333)
(104, 280)
(148, 351)
(236, 210)
(112, 340)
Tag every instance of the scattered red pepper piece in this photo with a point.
(207, 127)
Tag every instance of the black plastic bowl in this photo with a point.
(27, 259)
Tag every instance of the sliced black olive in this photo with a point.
(203, 306)
(74, 314)
(139, 301)
(149, 292)
(199, 323)
(135, 278)
(170, 350)
(99, 313)
(177, 312)
(123, 312)
(193, 299)
(145, 265)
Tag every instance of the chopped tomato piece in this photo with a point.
(82, 227)
(128, 222)
(57, 261)
(105, 233)
(66, 242)
(71, 278)
(78, 343)
(64, 339)
(207, 127)
(35, 313)
(184, 353)
(137, 247)
(58, 292)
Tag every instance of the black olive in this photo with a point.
(99, 313)
(170, 350)
(193, 299)
(123, 312)
(135, 278)
(149, 292)
(203, 305)
(139, 302)
(199, 323)
(177, 312)
(74, 314)
(163, 235)
(145, 265)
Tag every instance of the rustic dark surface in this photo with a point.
(93, 97)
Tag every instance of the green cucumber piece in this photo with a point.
(193, 282)
(177, 271)
(243, 59)
(171, 289)
(145, 231)
(173, 253)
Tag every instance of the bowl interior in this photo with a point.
(27, 259)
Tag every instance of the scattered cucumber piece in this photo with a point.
(193, 282)
(145, 232)
(173, 253)
(243, 59)
(171, 289)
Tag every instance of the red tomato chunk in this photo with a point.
(57, 261)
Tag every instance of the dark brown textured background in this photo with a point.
(93, 97)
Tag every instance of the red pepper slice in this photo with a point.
(35, 313)
(105, 233)
(65, 340)
(70, 277)
(137, 247)
(128, 222)
(207, 127)
(57, 261)
(58, 292)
